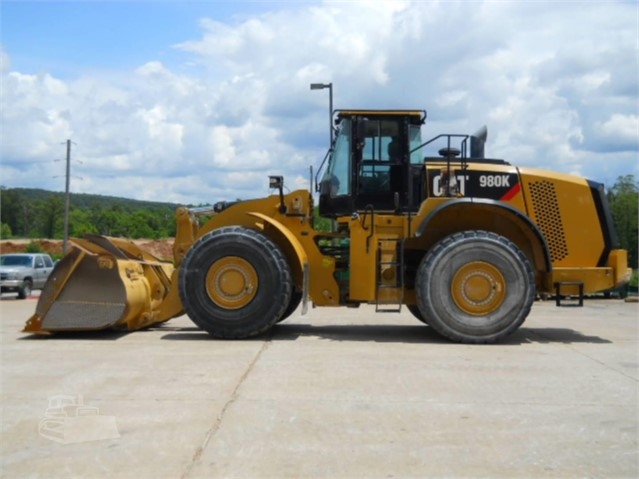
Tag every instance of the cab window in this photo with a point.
(337, 174)
(415, 140)
(382, 149)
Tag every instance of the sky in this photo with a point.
(194, 102)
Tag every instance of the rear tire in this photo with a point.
(25, 291)
(475, 287)
(414, 309)
(235, 283)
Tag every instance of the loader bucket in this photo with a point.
(102, 283)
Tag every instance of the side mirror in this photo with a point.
(277, 182)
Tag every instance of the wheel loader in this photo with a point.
(463, 241)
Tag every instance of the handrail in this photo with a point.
(448, 136)
(370, 235)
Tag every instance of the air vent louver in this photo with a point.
(548, 217)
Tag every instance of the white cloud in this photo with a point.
(624, 128)
(5, 61)
(239, 107)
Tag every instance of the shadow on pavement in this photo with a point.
(389, 334)
(559, 335)
(14, 297)
(101, 335)
(114, 334)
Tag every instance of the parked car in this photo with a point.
(24, 272)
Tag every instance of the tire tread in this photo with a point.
(422, 278)
(283, 272)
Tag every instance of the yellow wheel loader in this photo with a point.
(463, 241)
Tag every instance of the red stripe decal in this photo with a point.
(511, 193)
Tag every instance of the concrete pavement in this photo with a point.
(337, 393)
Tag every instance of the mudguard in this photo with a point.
(301, 266)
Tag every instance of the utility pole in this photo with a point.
(67, 200)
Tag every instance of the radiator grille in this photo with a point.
(548, 217)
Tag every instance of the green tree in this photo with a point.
(10, 201)
(80, 223)
(320, 224)
(140, 225)
(623, 197)
(5, 233)
(106, 221)
(33, 247)
(35, 213)
(50, 217)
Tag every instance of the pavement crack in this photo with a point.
(607, 366)
(218, 422)
(585, 355)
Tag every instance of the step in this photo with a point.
(560, 284)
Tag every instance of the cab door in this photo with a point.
(381, 165)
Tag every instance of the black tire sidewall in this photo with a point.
(273, 289)
(434, 287)
(296, 299)
(415, 311)
(25, 291)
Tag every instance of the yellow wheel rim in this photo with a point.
(478, 288)
(231, 282)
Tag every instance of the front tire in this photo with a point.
(235, 283)
(475, 287)
(25, 290)
(296, 299)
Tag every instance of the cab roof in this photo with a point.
(415, 116)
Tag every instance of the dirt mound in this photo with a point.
(11, 247)
(163, 248)
(53, 247)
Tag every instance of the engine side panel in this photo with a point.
(564, 208)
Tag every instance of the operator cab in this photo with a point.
(369, 165)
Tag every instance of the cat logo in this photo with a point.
(456, 186)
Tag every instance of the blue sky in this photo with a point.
(65, 38)
(196, 102)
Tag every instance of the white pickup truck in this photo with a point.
(23, 272)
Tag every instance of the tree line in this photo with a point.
(33, 213)
(623, 198)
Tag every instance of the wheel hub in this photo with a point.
(478, 288)
(231, 282)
